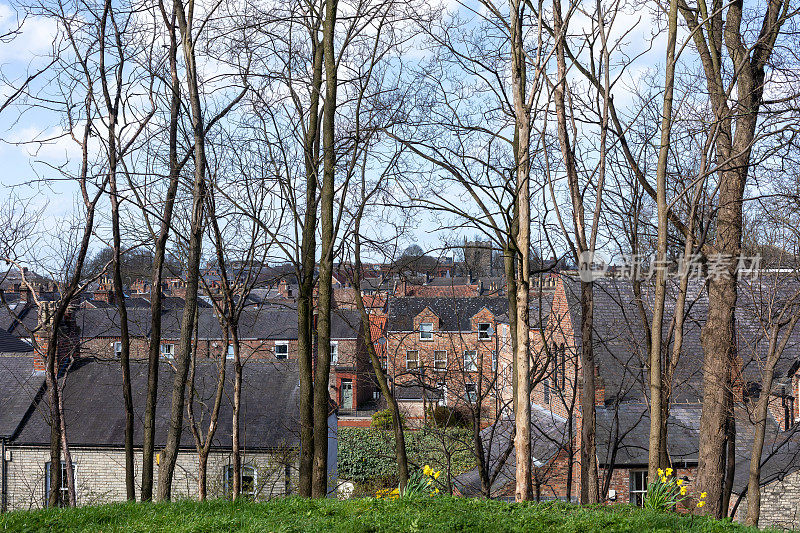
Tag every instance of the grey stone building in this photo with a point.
(94, 416)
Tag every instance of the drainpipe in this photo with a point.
(3, 484)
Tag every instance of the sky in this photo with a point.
(26, 161)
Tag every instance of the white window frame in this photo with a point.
(229, 353)
(167, 354)
(416, 366)
(283, 344)
(437, 361)
(471, 365)
(229, 484)
(470, 397)
(484, 334)
(494, 360)
(426, 331)
(64, 487)
(640, 492)
(334, 352)
(118, 349)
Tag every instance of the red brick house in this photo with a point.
(622, 419)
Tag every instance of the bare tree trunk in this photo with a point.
(589, 483)
(522, 413)
(383, 384)
(69, 469)
(319, 486)
(154, 351)
(733, 148)
(199, 192)
(305, 300)
(657, 419)
(237, 410)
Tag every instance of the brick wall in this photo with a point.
(100, 475)
(454, 374)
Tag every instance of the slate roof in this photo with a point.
(277, 322)
(619, 334)
(548, 432)
(454, 313)
(18, 319)
(12, 345)
(622, 441)
(18, 388)
(95, 415)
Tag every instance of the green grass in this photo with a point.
(357, 515)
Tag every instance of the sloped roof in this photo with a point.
(455, 313)
(278, 322)
(95, 416)
(620, 334)
(548, 434)
(18, 388)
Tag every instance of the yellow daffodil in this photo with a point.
(703, 495)
(700, 504)
(436, 491)
(663, 479)
(668, 472)
(437, 474)
(429, 482)
(683, 491)
(660, 473)
(679, 482)
(427, 470)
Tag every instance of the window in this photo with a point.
(334, 352)
(471, 392)
(118, 349)
(494, 360)
(426, 331)
(484, 331)
(443, 388)
(247, 482)
(638, 487)
(470, 361)
(546, 386)
(562, 356)
(281, 350)
(229, 354)
(412, 359)
(168, 351)
(64, 496)
(440, 359)
(554, 358)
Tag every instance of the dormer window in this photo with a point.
(484, 331)
(426, 331)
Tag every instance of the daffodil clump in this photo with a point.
(420, 484)
(667, 492)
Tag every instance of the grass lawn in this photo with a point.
(357, 515)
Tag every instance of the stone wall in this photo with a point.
(100, 475)
(780, 504)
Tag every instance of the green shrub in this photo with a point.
(383, 419)
(367, 454)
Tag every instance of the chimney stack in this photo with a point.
(67, 336)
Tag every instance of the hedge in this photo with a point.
(367, 454)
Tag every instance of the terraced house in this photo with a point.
(94, 416)
(621, 402)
